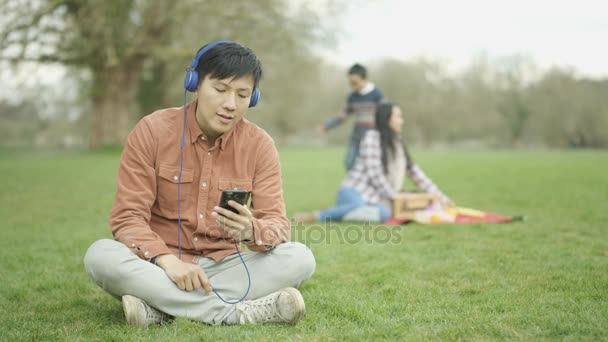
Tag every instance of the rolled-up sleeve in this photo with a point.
(270, 224)
(424, 183)
(135, 195)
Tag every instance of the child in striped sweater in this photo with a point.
(361, 105)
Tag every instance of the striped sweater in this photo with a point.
(362, 107)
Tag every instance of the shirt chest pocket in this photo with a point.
(167, 190)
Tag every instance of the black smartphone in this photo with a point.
(237, 195)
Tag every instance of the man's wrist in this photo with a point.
(162, 259)
(247, 235)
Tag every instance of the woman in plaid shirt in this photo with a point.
(378, 173)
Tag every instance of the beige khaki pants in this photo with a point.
(113, 267)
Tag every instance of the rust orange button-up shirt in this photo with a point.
(144, 215)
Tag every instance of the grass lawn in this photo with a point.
(546, 278)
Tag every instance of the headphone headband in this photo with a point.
(208, 47)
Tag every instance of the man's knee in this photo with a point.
(299, 259)
(100, 258)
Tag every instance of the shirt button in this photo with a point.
(175, 178)
(204, 184)
(132, 245)
(195, 239)
(208, 153)
(201, 215)
(146, 253)
(202, 137)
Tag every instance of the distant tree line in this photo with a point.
(127, 58)
(505, 103)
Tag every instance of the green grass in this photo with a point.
(546, 278)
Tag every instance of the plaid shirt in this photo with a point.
(368, 179)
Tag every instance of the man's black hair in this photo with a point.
(229, 60)
(358, 69)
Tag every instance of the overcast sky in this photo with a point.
(552, 32)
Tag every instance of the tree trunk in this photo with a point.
(114, 91)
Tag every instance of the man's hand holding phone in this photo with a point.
(234, 217)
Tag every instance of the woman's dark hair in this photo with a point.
(387, 136)
(229, 60)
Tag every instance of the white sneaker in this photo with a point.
(285, 306)
(138, 313)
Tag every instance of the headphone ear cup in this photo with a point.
(191, 80)
(255, 97)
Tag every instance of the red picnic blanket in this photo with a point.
(435, 214)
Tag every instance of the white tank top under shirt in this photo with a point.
(396, 166)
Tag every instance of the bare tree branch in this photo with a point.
(45, 59)
(34, 22)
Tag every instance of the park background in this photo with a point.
(505, 106)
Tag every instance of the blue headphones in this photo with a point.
(191, 79)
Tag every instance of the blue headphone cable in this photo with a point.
(179, 216)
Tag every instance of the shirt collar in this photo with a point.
(369, 87)
(195, 131)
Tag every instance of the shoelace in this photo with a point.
(262, 309)
(153, 314)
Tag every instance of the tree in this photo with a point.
(111, 39)
(117, 40)
(570, 112)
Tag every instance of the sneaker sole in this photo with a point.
(299, 302)
(131, 306)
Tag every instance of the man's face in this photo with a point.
(357, 83)
(222, 103)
